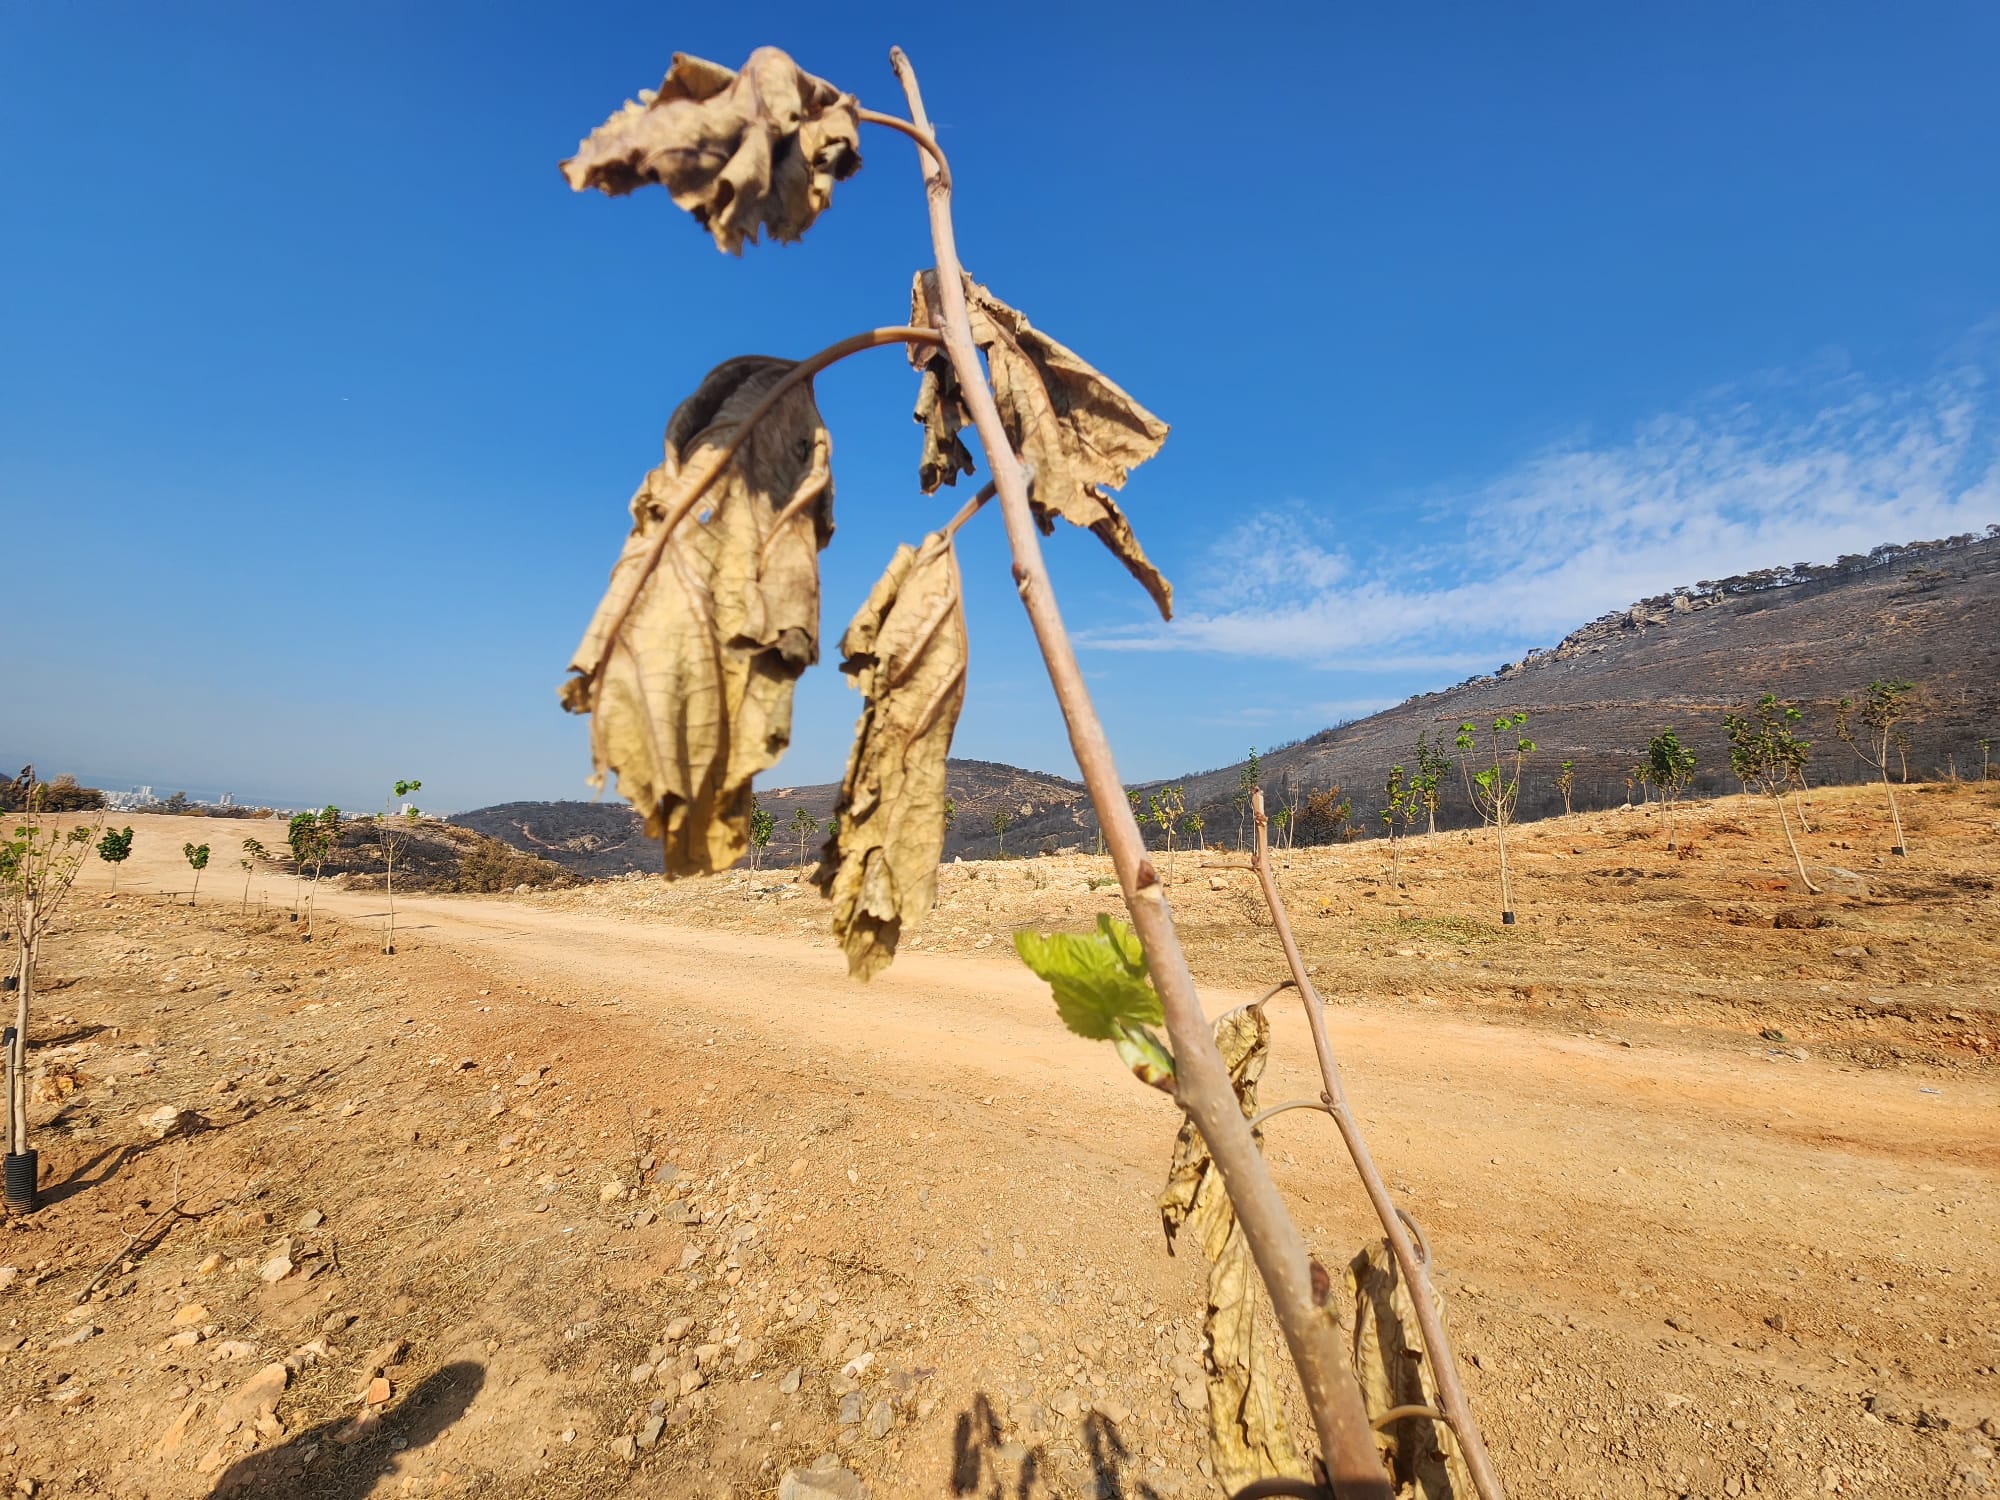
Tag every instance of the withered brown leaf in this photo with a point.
(1420, 1453)
(906, 652)
(1079, 431)
(742, 152)
(687, 668)
(1247, 1435)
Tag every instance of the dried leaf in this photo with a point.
(688, 667)
(945, 454)
(906, 652)
(1247, 1435)
(1072, 424)
(1421, 1454)
(742, 152)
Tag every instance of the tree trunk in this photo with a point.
(1895, 816)
(1506, 882)
(17, 1056)
(1797, 858)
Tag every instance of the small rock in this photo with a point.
(611, 1192)
(256, 1397)
(193, 1315)
(312, 1218)
(825, 1480)
(678, 1330)
(850, 1409)
(378, 1392)
(624, 1447)
(791, 1381)
(276, 1269)
(649, 1433)
(881, 1417)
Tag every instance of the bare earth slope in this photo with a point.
(1931, 617)
(627, 1190)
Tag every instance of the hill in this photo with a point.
(597, 840)
(1928, 612)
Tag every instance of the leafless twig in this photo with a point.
(1451, 1390)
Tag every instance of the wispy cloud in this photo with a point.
(1724, 487)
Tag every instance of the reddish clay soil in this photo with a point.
(628, 1190)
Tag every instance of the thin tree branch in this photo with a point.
(1203, 1085)
(923, 138)
(1262, 1115)
(804, 370)
(968, 510)
(1451, 1390)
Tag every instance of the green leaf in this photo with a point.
(1099, 978)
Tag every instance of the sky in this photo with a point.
(322, 397)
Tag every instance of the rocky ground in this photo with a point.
(627, 1190)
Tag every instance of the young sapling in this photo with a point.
(1565, 784)
(39, 864)
(762, 150)
(1884, 707)
(390, 824)
(1496, 788)
(805, 825)
(197, 858)
(762, 828)
(1668, 768)
(114, 848)
(1249, 780)
(253, 850)
(1766, 752)
(1426, 784)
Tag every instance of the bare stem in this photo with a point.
(1451, 1390)
(804, 370)
(922, 137)
(968, 510)
(1202, 1083)
(1257, 1120)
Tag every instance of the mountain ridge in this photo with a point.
(1928, 612)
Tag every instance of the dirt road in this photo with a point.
(1678, 1260)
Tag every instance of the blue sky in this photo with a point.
(321, 397)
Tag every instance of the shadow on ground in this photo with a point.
(317, 1465)
(984, 1465)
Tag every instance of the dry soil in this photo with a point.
(628, 1190)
